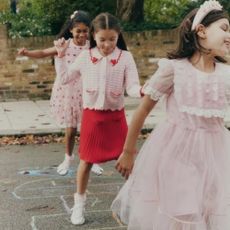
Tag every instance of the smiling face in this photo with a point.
(106, 40)
(80, 33)
(216, 37)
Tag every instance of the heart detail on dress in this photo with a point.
(94, 59)
(113, 61)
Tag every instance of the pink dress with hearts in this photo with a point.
(66, 100)
(180, 179)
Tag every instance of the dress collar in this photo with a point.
(214, 72)
(113, 58)
(77, 46)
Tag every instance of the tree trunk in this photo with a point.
(130, 10)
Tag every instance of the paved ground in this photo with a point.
(33, 196)
(23, 117)
(33, 117)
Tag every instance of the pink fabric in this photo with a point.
(196, 92)
(181, 175)
(66, 100)
(103, 82)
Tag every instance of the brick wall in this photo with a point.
(26, 78)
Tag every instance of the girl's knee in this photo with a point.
(85, 165)
(71, 132)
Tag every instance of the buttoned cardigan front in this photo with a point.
(104, 78)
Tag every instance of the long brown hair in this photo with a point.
(106, 21)
(188, 40)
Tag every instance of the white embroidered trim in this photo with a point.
(203, 112)
(154, 94)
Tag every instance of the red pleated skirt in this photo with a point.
(102, 135)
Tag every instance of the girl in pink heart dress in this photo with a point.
(66, 100)
(180, 178)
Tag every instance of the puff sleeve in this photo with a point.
(161, 82)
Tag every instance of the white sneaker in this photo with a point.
(77, 216)
(97, 169)
(63, 168)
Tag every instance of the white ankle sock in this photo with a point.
(68, 157)
(80, 197)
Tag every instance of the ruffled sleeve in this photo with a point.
(161, 82)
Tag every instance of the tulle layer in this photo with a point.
(179, 181)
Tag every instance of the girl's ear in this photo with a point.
(71, 31)
(201, 31)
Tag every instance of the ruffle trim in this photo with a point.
(202, 112)
(92, 107)
(153, 93)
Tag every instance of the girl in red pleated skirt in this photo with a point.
(107, 70)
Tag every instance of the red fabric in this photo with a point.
(102, 135)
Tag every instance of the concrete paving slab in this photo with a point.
(33, 117)
(27, 117)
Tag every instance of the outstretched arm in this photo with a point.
(161, 83)
(67, 73)
(125, 162)
(38, 53)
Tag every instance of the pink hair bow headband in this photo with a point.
(204, 9)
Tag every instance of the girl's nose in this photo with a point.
(107, 44)
(82, 34)
(228, 36)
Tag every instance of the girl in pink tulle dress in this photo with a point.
(180, 179)
(66, 100)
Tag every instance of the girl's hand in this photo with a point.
(22, 51)
(61, 46)
(125, 164)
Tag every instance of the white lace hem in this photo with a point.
(203, 112)
(153, 93)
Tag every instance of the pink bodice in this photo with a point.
(196, 92)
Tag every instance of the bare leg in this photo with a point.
(70, 134)
(83, 176)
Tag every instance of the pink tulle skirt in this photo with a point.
(180, 181)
